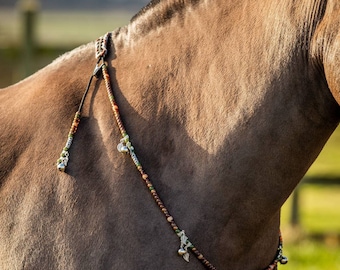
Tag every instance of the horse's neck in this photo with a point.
(225, 119)
(227, 123)
(230, 118)
(258, 80)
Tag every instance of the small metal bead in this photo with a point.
(122, 148)
(173, 224)
(284, 260)
(181, 251)
(61, 167)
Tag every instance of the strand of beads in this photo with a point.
(100, 52)
(279, 255)
(64, 156)
(125, 146)
(185, 244)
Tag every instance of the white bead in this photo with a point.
(121, 147)
(61, 167)
(181, 251)
(69, 142)
(284, 260)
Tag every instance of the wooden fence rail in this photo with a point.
(295, 216)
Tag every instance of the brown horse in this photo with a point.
(227, 104)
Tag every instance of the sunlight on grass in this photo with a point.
(310, 255)
(320, 205)
(328, 162)
(319, 209)
(319, 215)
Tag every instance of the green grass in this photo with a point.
(315, 245)
(319, 216)
(311, 255)
(319, 209)
(328, 162)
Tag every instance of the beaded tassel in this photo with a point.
(279, 255)
(100, 52)
(64, 156)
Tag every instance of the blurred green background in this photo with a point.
(55, 27)
(311, 231)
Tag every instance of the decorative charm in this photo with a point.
(101, 51)
(279, 255)
(125, 145)
(121, 147)
(284, 260)
(64, 156)
(181, 252)
(185, 244)
(62, 161)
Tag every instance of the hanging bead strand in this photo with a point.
(64, 156)
(125, 146)
(100, 52)
(279, 256)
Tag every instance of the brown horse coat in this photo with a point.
(227, 103)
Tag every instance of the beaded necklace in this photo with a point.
(125, 146)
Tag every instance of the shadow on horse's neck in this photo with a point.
(237, 142)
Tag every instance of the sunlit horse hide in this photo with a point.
(227, 104)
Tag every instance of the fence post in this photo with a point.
(28, 11)
(295, 212)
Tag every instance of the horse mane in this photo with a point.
(158, 13)
(149, 6)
